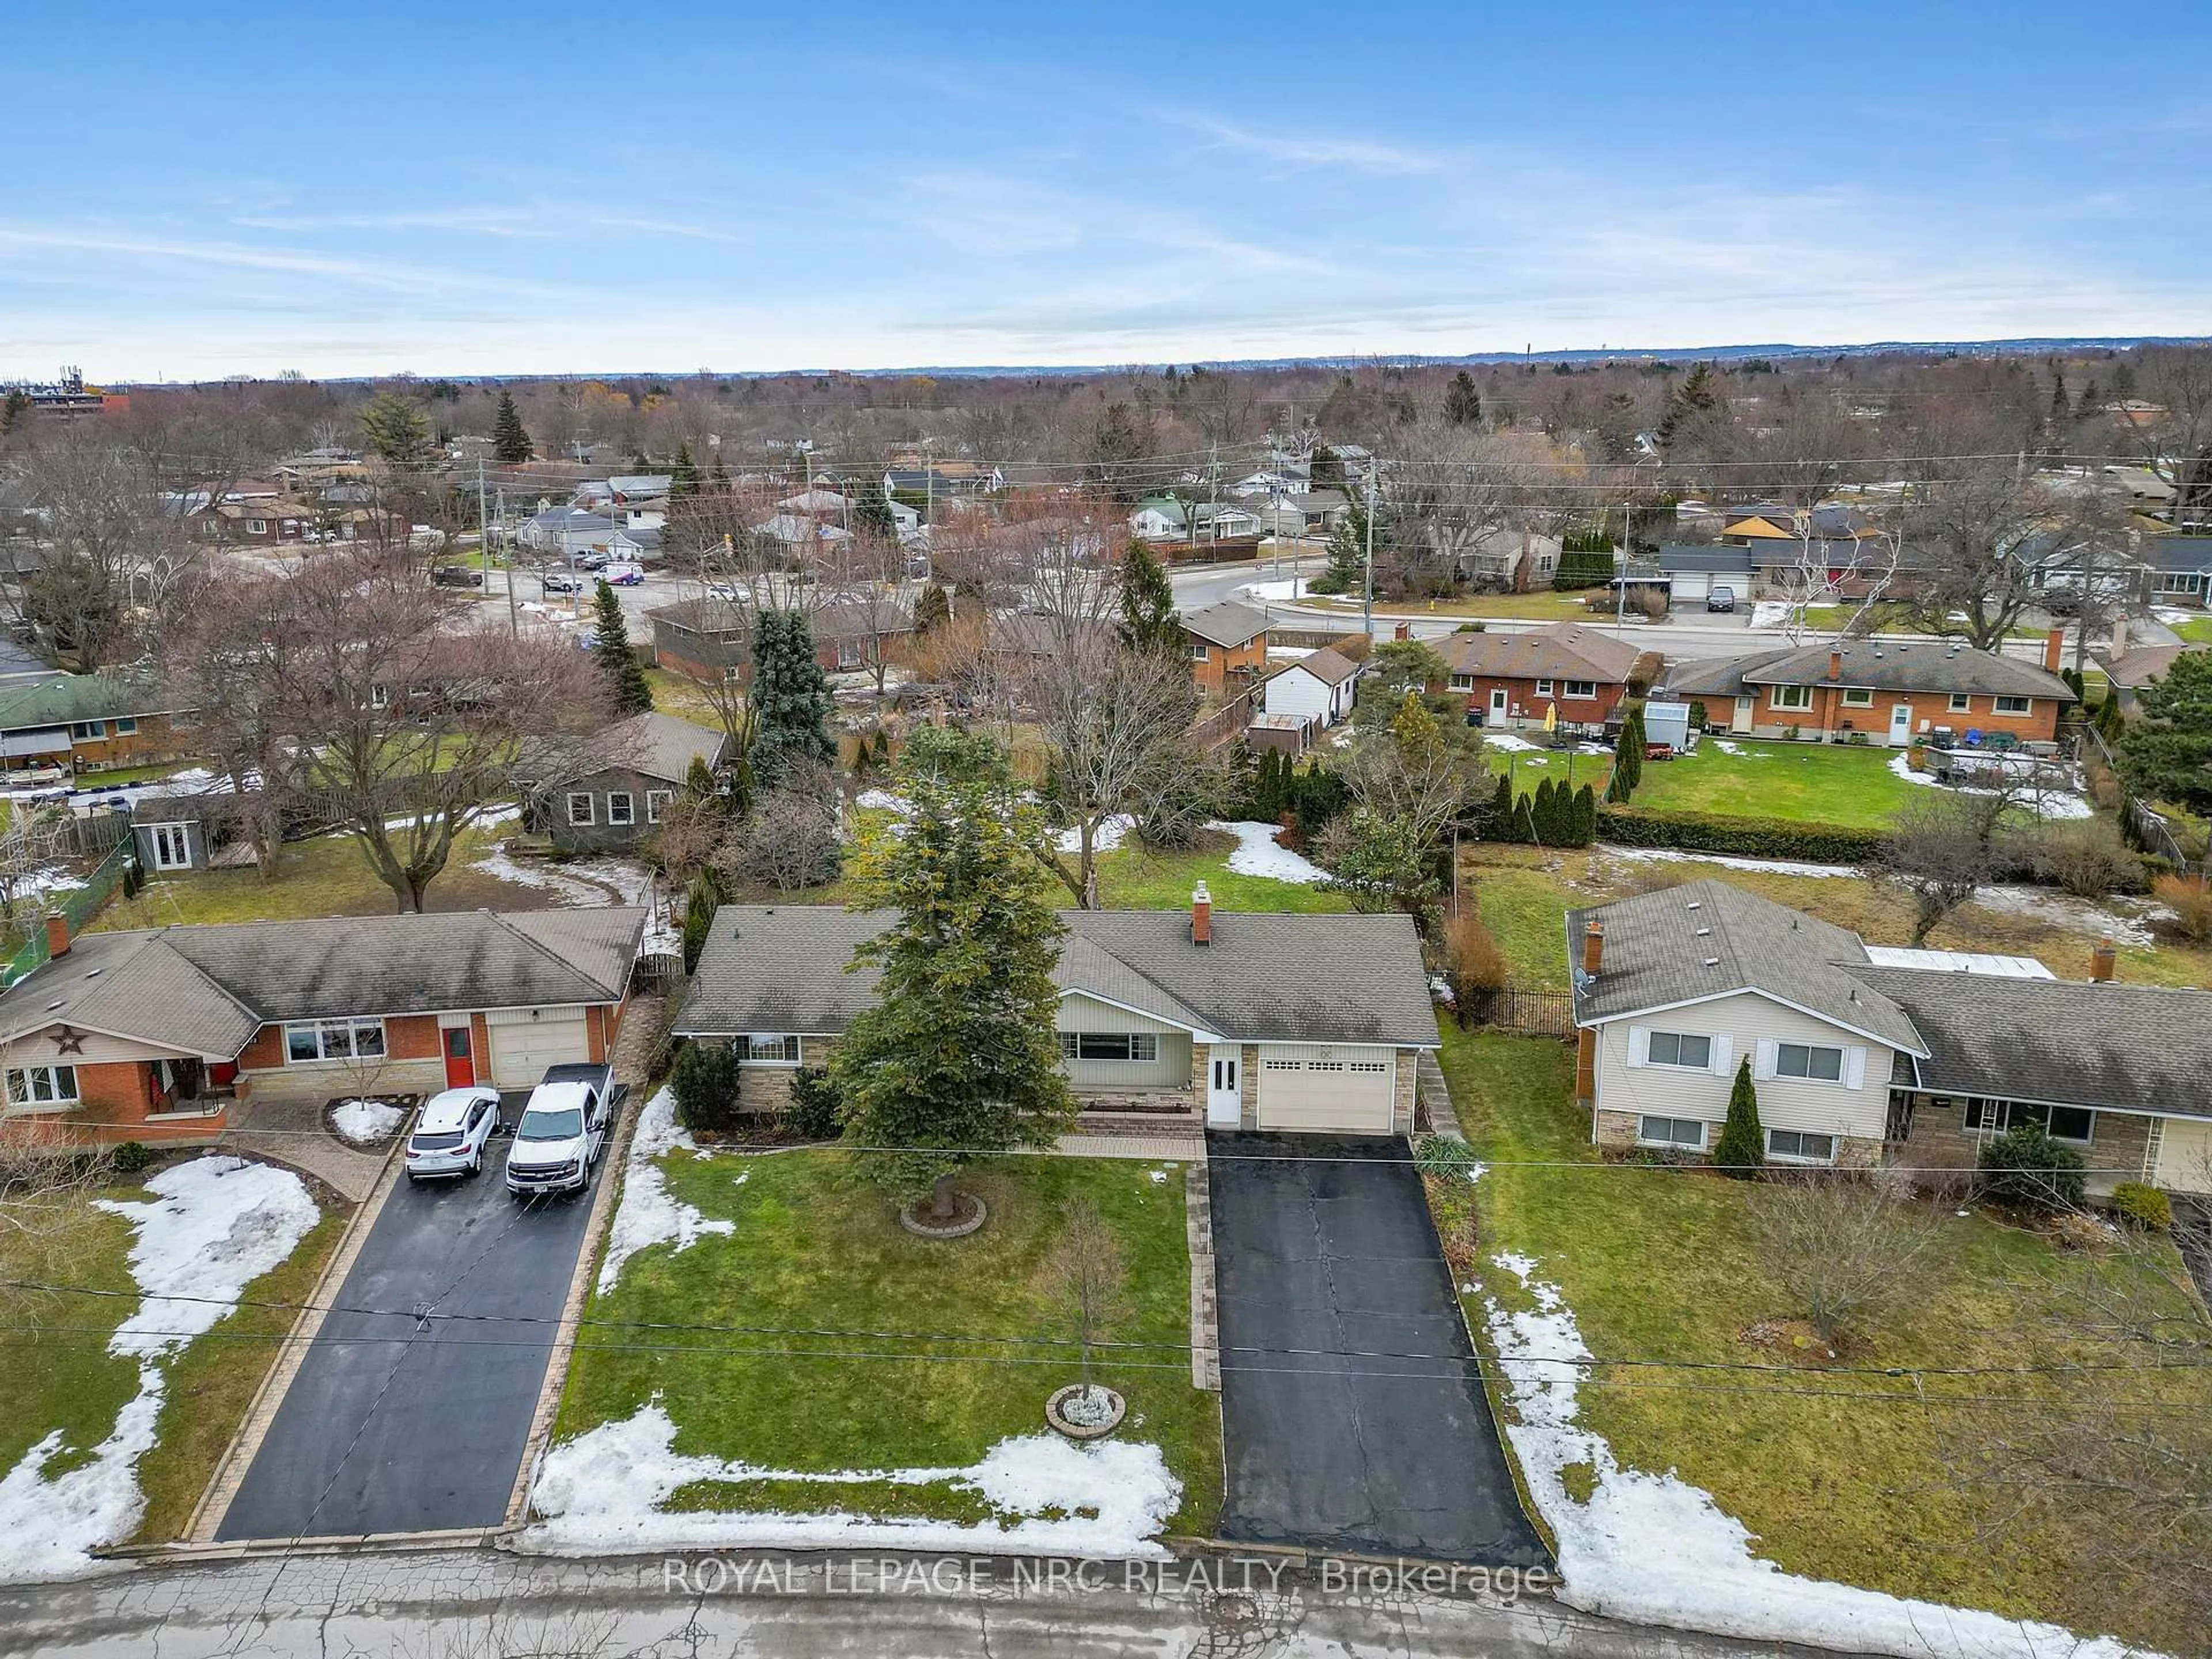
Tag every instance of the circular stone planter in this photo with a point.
(959, 1227)
(1117, 1409)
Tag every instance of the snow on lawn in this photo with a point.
(1286, 587)
(2063, 910)
(2049, 802)
(214, 1226)
(1653, 1549)
(1257, 854)
(883, 800)
(1506, 743)
(650, 1214)
(1769, 613)
(365, 1123)
(602, 1492)
(1103, 839)
(1739, 750)
(1772, 866)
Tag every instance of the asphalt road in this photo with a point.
(388, 1427)
(1352, 1412)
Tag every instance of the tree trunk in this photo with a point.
(941, 1209)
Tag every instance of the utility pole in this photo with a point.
(1367, 604)
(1620, 581)
(513, 616)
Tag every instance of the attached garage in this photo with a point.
(526, 1041)
(2184, 1155)
(1340, 1088)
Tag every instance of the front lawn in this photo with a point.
(839, 1341)
(1842, 1474)
(1812, 782)
(2193, 630)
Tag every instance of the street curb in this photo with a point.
(246, 1441)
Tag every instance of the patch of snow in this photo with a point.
(2063, 910)
(1726, 861)
(1257, 854)
(883, 800)
(601, 1491)
(1103, 839)
(365, 1123)
(1475, 1172)
(492, 817)
(649, 1213)
(574, 894)
(1769, 613)
(214, 1226)
(1739, 750)
(1287, 587)
(1158, 1177)
(1507, 743)
(736, 1180)
(2051, 802)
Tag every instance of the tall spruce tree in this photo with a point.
(933, 609)
(397, 432)
(683, 473)
(1742, 1146)
(958, 1056)
(1627, 758)
(1148, 612)
(791, 698)
(1585, 816)
(1497, 822)
(510, 441)
(628, 690)
(1462, 403)
(871, 511)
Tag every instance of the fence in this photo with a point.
(1226, 722)
(1539, 1013)
(657, 973)
(2155, 834)
(79, 904)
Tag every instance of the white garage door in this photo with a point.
(523, 1047)
(1692, 583)
(1341, 1087)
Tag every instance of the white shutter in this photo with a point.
(1762, 1065)
(1639, 1044)
(1723, 1056)
(1854, 1066)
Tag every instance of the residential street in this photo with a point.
(481, 1604)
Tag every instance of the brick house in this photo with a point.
(87, 723)
(608, 797)
(1509, 680)
(283, 522)
(1228, 647)
(711, 640)
(156, 1034)
(1260, 1022)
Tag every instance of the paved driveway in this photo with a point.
(1352, 1412)
(387, 1428)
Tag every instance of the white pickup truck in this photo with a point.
(562, 1131)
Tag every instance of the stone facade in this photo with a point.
(2119, 1146)
(1616, 1132)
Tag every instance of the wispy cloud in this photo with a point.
(1315, 150)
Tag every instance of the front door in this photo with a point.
(1744, 713)
(460, 1063)
(1497, 705)
(1900, 725)
(1225, 1086)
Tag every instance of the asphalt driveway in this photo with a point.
(1352, 1412)
(388, 1427)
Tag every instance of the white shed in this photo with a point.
(1319, 687)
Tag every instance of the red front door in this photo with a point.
(460, 1065)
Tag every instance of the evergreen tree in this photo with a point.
(1524, 822)
(510, 441)
(1543, 814)
(1627, 758)
(1148, 612)
(717, 477)
(1347, 553)
(2168, 754)
(682, 473)
(957, 1056)
(1696, 397)
(1326, 470)
(397, 432)
(627, 689)
(871, 511)
(790, 699)
(2058, 398)
(1462, 403)
(1742, 1149)
(1497, 821)
(1585, 815)
(933, 609)
(699, 781)
(699, 906)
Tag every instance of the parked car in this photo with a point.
(451, 1131)
(560, 581)
(1720, 599)
(456, 575)
(590, 562)
(2061, 601)
(562, 1131)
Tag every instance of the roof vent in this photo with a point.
(1712, 961)
(1694, 905)
(52, 1006)
(1703, 931)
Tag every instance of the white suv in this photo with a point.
(450, 1134)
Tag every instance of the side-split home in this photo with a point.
(1257, 1022)
(159, 1034)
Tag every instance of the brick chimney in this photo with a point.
(58, 939)
(1593, 946)
(1201, 915)
(1835, 665)
(2103, 962)
(2054, 649)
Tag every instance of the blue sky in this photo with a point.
(500, 188)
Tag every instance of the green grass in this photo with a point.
(1133, 878)
(683, 696)
(1811, 782)
(2196, 631)
(1662, 1265)
(817, 1248)
(1526, 910)
(1528, 770)
(127, 774)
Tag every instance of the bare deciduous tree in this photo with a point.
(1942, 847)
(1841, 1245)
(1085, 1276)
(789, 841)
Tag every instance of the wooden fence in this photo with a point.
(1227, 722)
(1539, 1013)
(2151, 827)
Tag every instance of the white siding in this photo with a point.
(1171, 1071)
(1294, 692)
(1744, 1022)
(2184, 1155)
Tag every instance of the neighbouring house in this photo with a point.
(1862, 1053)
(159, 1035)
(711, 640)
(2180, 567)
(283, 521)
(1496, 559)
(1228, 647)
(1163, 518)
(1509, 680)
(88, 723)
(1887, 691)
(610, 798)
(1260, 1022)
(1317, 688)
(559, 532)
(1693, 573)
(1301, 512)
(944, 482)
(2130, 671)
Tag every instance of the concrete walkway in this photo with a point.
(294, 1134)
(1165, 1148)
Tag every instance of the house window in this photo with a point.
(1543, 688)
(849, 653)
(1462, 682)
(30, 1087)
(1792, 696)
(622, 807)
(256, 527)
(770, 1049)
(1962, 703)
(2014, 705)
(82, 731)
(656, 803)
(380, 696)
(1858, 697)
(334, 1039)
(1681, 1048)
(580, 807)
(1687, 1133)
(1581, 688)
(1109, 1045)
(1798, 1146)
(1197, 651)
(1809, 1061)
(2062, 1122)
(126, 726)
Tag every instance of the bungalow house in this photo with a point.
(1301, 512)
(1256, 1021)
(944, 482)
(560, 531)
(1166, 520)
(283, 521)
(610, 796)
(711, 640)
(1317, 688)
(88, 722)
(2180, 567)
(2130, 671)
(156, 1034)
(1509, 680)
(1865, 1053)
(1693, 573)
(1881, 690)
(1227, 640)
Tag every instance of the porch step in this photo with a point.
(1434, 1099)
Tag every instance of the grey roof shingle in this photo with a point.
(1718, 677)
(1910, 666)
(1328, 666)
(659, 745)
(2144, 665)
(1228, 624)
(1263, 979)
(1561, 651)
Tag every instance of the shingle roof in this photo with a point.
(1655, 955)
(65, 697)
(1327, 665)
(1263, 979)
(1561, 651)
(1228, 624)
(659, 745)
(1910, 666)
(1718, 677)
(1731, 560)
(2142, 665)
(2178, 553)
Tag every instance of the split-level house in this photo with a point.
(1511, 679)
(1863, 1055)
(1258, 1022)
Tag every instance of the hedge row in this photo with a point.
(1737, 837)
